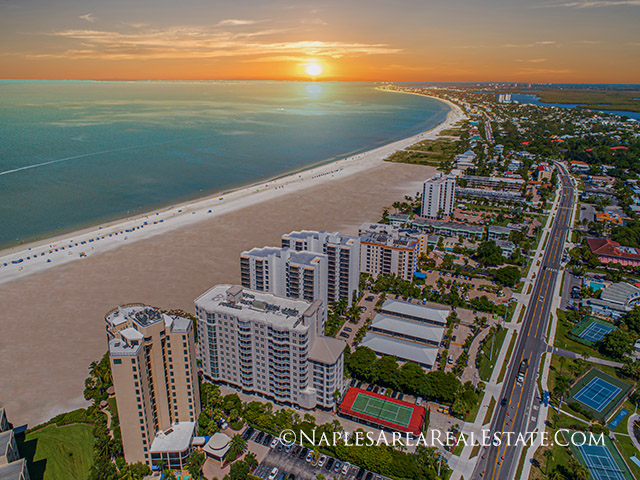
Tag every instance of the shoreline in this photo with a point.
(62, 249)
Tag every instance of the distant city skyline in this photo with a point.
(580, 41)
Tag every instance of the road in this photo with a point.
(501, 462)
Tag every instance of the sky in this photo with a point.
(572, 41)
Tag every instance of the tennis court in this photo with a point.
(604, 462)
(383, 409)
(596, 331)
(591, 330)
(597, 394)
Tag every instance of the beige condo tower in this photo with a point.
(153, 364)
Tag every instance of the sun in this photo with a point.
(313, 69)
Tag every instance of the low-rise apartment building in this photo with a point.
(12, 467)
(269, 345)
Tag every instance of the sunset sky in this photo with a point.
(582, 41)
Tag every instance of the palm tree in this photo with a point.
(237, 446)
(251, 460)
(548, 454)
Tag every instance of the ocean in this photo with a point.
(79, 153)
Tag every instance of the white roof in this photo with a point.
(131, 334)
(392, 306)
(407, 327)
(177, 438)
(402, 349)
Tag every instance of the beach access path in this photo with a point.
(52, 313)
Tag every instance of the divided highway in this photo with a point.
(513, 412)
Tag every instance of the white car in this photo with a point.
(273, 474)
(345, 468)
(274, 443)
(323, 459)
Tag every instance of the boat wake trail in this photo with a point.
(93, 154)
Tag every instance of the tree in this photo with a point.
(488, 253)
(134, 471)
(632, 319)
(548, 455)
(237, 446)
(194, 464)
(616, 344)
(507, 276)
(361, 362)
(386, 371)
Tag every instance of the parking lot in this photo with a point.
(298, 463)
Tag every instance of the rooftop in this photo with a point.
(604, 246)
(400, 241)
(218, 445)
(294, 256)
(424, 331)
(620, 293)
(449, 225)
(392, 306)
(257, 306)
(5, 441)
(13, 470)
(176, 438)
(326, 350)
(403, 349)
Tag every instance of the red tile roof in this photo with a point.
(606, 247)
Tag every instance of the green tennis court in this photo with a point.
(382, 409)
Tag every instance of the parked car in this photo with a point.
(273, 474)
(267, 440)
(259, 437)
(303, 453)
(248, 433)
(370, 387)
(337, 466)
(401, 396)
(329, 464)
(309, 457)
(345, 468)
(321, 462)
(344, 334)
(274, 443)
(348, 329)
(418, 400)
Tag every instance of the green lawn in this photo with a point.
(487, 416)
(487, 359)
(505, 364)
(59, 453)
(565, 342)
(627, 450)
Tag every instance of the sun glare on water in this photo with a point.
(313, 69)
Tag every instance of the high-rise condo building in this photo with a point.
(385, 253)
(343, 255)
(153, 364)
(438, 196)
(269, 345)
(286, 273)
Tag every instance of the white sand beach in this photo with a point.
(52, 305)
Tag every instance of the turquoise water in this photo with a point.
(73, 154)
